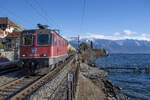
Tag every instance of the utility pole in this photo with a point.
(78, 47)
(77, 38)
(78, 42)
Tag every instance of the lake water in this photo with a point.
(136, 85)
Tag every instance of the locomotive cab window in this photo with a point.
(42, 39)
(26, 39)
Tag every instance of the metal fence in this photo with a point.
(72, 81)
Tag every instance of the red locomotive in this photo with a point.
(41, 49)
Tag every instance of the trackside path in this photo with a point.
(86, 90)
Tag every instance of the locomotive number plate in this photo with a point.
(34, 50)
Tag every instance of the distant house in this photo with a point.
(9, 33)
(7, 26)
(3, 33)
(12, 41)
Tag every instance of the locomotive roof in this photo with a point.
(33, 30)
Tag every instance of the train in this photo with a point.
(41, 50)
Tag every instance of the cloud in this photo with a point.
(116, 33)
(128, 32)
(114, 37)
(95, 36)
(144, 35)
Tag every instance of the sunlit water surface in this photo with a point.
(134, 84)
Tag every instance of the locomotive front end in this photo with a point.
(34, 51)
(41, 50)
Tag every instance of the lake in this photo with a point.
(136, 85)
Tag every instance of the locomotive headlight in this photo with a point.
(23, 55)
(44, 55)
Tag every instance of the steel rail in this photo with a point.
(10, 89)
(8, 70)
(4, 87)
(8, 67)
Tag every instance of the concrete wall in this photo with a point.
(11, 55)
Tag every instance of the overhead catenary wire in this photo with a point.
(81, 21)
(38, 12)
(42, 12)
(46, 14)
(11, 14)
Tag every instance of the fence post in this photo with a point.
(70, 79)
(72, 82)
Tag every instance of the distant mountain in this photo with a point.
(118, 46)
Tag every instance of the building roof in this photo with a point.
(7, 21)
(14, 35)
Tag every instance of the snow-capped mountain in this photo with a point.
(118, 46)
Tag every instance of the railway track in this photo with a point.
(8, 67)
(8, 70)
(9, 90)
(20, 88)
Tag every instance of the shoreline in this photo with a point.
(97, 76)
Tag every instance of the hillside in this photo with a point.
(119, 46)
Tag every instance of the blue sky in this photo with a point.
(108, 19)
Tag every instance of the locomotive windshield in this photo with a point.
(26, 39)
(42, 39)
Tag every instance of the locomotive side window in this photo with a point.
(59, 41)
(42, 39)
(63, 43)
(26, 39)
(53, 40)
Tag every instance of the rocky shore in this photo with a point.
(98, 77)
